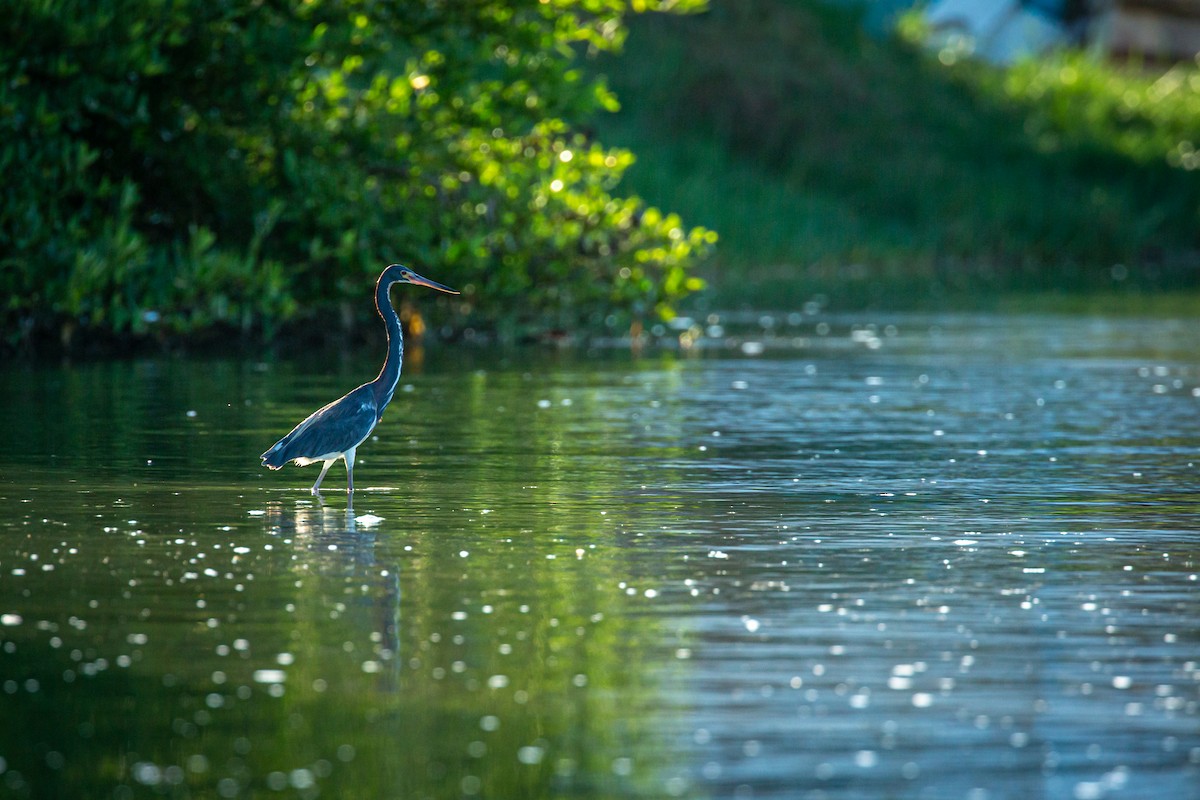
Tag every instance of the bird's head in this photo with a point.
(398, 273)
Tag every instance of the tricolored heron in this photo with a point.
(337, 430)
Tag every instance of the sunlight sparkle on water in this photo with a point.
(871, 557)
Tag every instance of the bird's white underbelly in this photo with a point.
(306, 460)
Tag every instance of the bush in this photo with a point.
(177, 165)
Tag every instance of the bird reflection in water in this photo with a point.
(337, 549)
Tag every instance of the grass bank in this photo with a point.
(878, 173)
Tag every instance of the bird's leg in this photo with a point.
(348, 457)
(316, 487)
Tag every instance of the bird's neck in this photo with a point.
(389, 376)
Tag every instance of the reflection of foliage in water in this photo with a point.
(444, 650)
(942, 527)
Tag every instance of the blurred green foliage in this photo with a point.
(178, 166)
(883, 173)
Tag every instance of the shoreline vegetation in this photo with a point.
(882, 174)
(219, 176)
(205, 168)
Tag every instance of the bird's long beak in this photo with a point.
(417, 280)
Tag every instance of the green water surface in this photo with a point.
(928, 556)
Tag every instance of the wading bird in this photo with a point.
(337, 430)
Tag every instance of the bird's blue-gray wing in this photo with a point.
(328, 431)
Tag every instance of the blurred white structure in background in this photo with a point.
(999, 31)
(1002, 31)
